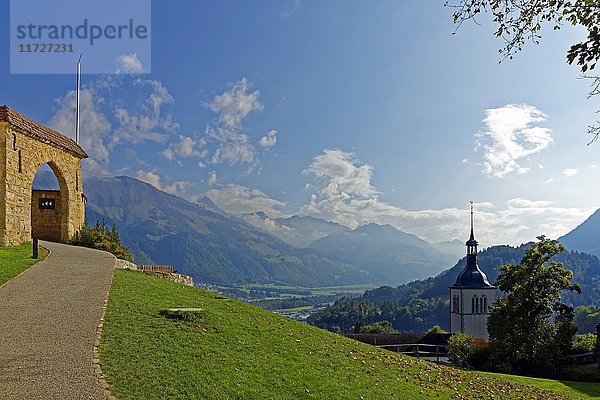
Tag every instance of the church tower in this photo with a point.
(470, 295)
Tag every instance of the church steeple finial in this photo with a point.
(472, 243)
(472, 234)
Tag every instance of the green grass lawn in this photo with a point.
(232, 350)
(16, 259)
(577, 390)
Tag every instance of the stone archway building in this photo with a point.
(25, 145)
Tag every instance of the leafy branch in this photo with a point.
(520, 21)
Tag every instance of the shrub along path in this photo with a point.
(48, 321)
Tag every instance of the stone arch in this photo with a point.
(25, 146)
(56, 227)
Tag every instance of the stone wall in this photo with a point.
(21, 155)
(172, 276)
(46, 223)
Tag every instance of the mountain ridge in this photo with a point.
(388, 253)
(162, 228)
(585, 237)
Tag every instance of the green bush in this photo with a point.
(101, 237)
(378, 327)
(436, 329)
(459, 347)
(584, 343)
(467, 351)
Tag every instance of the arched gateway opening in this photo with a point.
(26, 148)
(49, 205)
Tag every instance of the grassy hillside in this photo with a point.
(232, 350)
(577, 390)
(16, 259)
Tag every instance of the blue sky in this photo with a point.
(352, 111)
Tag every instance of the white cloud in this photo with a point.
(278, 230)
(525, 203)
(145, 123)
(178, 188)
(232, 147)
(186, 147)
(269, 140)
(225, 140)
(212, 178)
(159, 96)
(95, 127)
(343, 173)
(513, 134)
(106, 102)
(149, 177)
(570, 171)
(344, 194)
(238, 200)
(231, 143)
(129, 64)
(290, 9)
(236, 103)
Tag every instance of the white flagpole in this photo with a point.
(77, 112)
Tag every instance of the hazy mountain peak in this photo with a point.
(206, 202)
(586, 237)
(390, 254)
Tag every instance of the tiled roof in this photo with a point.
(40, 131)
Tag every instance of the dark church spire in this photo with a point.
(472, 276)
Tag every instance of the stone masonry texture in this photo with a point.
(23, 150)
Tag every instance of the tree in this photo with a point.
(436, 330)
(376, 327)
(520, 21)
(530, 328)
(101, 237)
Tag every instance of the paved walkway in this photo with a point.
(48, 321)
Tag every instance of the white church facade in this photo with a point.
(471, 295)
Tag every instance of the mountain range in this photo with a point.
(384, 251)
(299, 231)
(219, 248)
(160, 228)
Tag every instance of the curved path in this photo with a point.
(48, 321)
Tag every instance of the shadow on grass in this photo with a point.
(589, 389)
